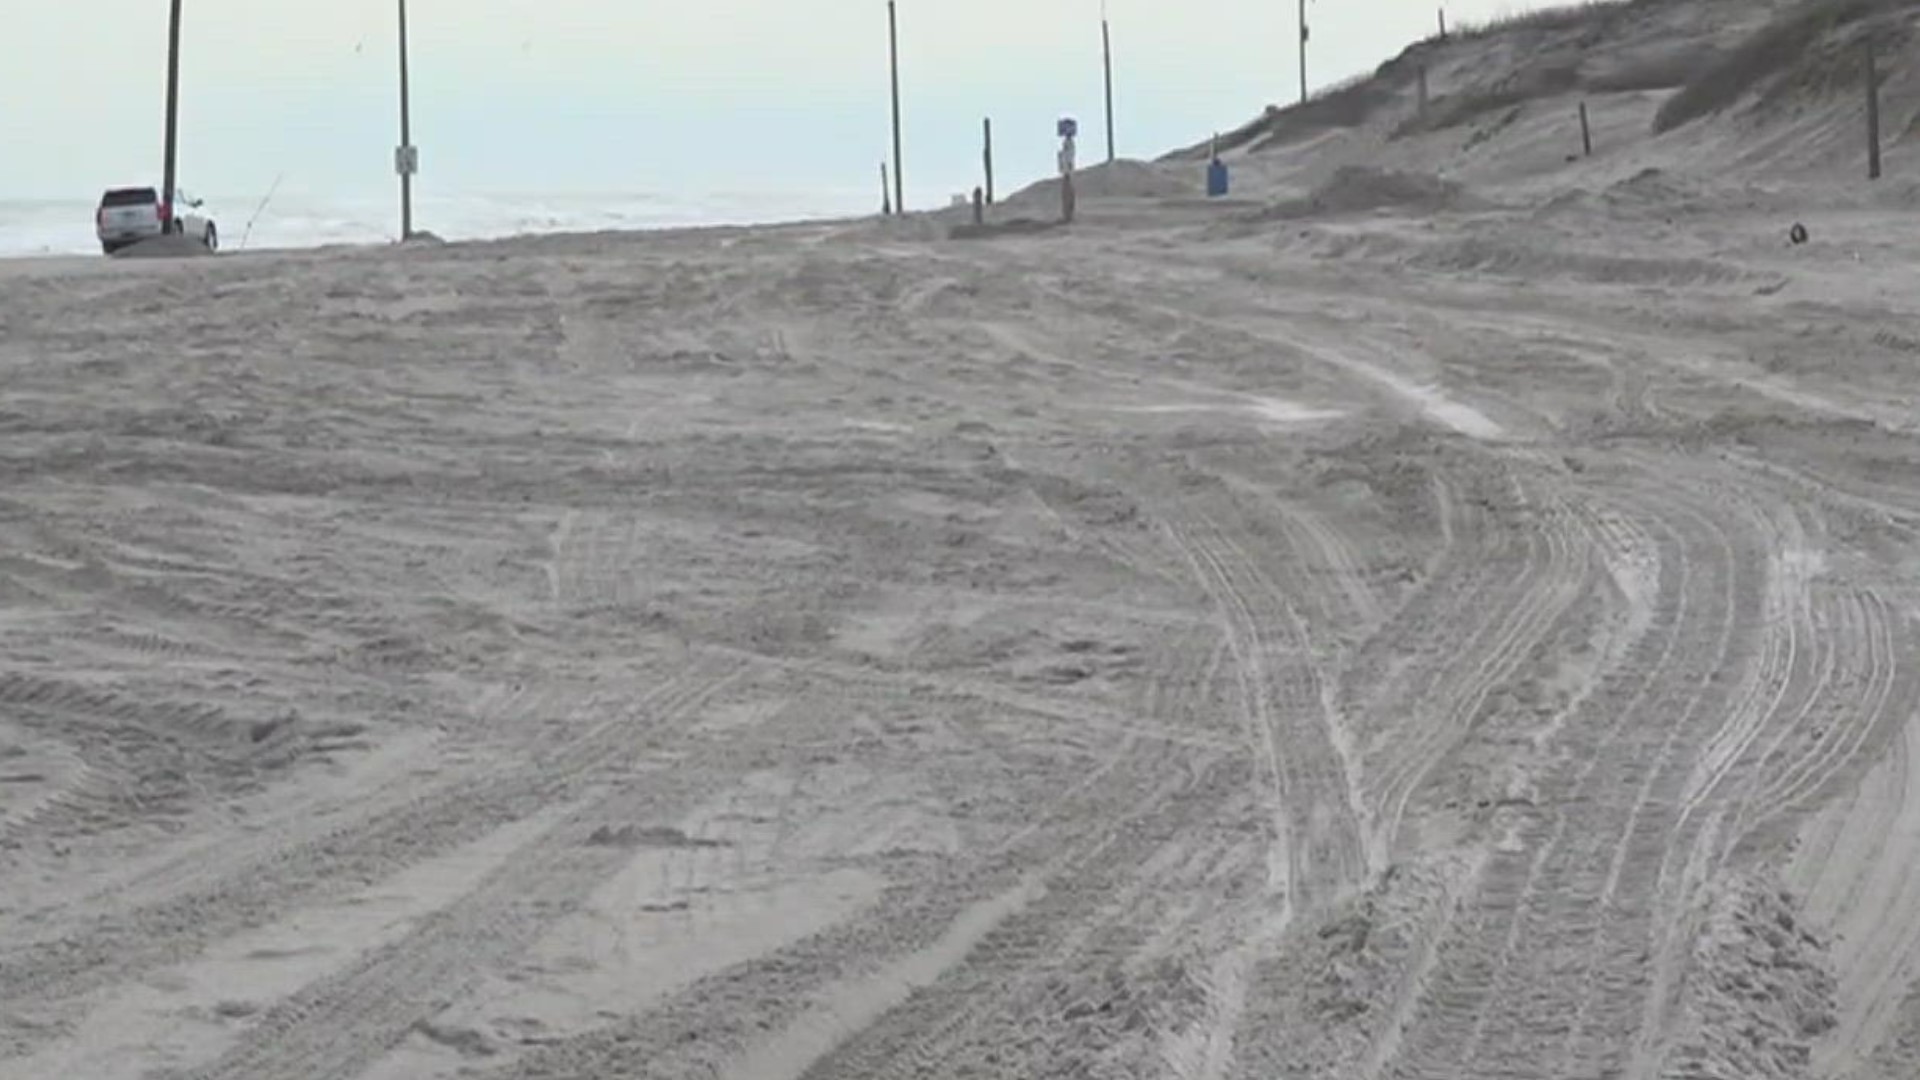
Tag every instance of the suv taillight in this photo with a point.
(166, 212)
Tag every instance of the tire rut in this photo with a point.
(109, 948)
(1559, 900)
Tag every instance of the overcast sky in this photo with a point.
(645, 95)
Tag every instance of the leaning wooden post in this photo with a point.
(1586, 133)
(986, 156)
(1443, 24)
(1068, 129)
(1873, 117)
(886, 193)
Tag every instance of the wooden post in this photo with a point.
(170, 171)
(1873, 116)
(1443, 24)
(1066, 175)
(893, 53)
(886, 193)
(979, 207)
(1586, 133)
(986, 155)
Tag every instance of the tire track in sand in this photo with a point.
(1482, 1008)
(1548, 956)
(223, 896)
(1317, 844)
(1489, 615)
(336, 1028)
(1319, 823)
(1030, 924)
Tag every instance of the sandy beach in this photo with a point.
(1388, 625)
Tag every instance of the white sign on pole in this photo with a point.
(406, 160)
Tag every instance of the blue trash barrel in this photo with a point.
(1216, 179)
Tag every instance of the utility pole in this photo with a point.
(893, 54)
(405, 160)
(170, 173)
(1106, 53)
(1303, 51)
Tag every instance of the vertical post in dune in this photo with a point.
(1068, 129)
(893, 63)
(1873, 116)
(986, 154)
(404, 162)
(170, 170)
(886, 193)
(1106, 54)
(1443, 24)
(1586, 133)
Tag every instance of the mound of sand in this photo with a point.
(1015, 227)
(1521, 255)
(164, 247)
(1356, 189)
(1118, 180)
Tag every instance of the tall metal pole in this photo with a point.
(893, 54)
(406, 135)
(1106, 51)
(170, 174)
(1303, 50)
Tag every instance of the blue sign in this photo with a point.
(1069, 127)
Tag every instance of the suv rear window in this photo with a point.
(141, 196)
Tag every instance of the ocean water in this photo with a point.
(297, 220)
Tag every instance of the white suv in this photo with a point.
(129, 215)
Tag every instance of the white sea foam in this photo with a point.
(62, 226)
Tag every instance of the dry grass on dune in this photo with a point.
(1591, 13)
(1777, 48)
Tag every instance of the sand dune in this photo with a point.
(1446, 614)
